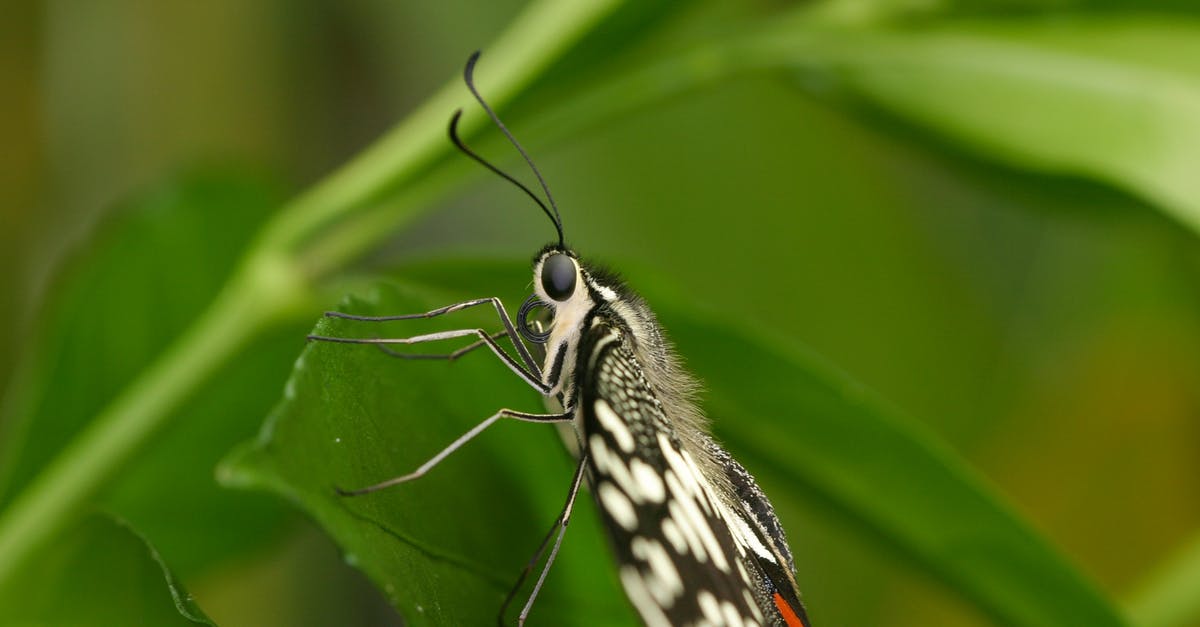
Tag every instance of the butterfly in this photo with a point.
(696, 540)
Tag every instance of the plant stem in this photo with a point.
(262, 291)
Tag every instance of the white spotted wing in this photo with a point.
(692, 549)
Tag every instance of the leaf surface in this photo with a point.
(1116, 99)
(445, 549)
(101, 573)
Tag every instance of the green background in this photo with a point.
(936, 262)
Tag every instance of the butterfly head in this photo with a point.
(557, 276)
(560, 284)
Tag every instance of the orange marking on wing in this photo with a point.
(789, 615)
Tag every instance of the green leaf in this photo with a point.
(1168, 596)
(444, 546)
(151, 268)
(445, 549)
(1111, 98)
(1116, 99)
(101, 573)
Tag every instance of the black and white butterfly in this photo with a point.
(696, 540)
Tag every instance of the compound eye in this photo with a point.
(558, 276)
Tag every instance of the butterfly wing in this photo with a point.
(758, 529)
(682, 557)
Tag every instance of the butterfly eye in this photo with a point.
(558, 276)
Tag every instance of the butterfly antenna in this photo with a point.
(506, 176)
(468, 77)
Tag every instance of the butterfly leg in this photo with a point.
(532, 376)
(451, 356)
(501, 312)
(457, 444)
(557, 531)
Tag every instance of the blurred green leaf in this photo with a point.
(136, 285)
(1169, 596)
(446, 549)
(352, 416)
(101, 573)
(811, 427)
(1115, 99)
